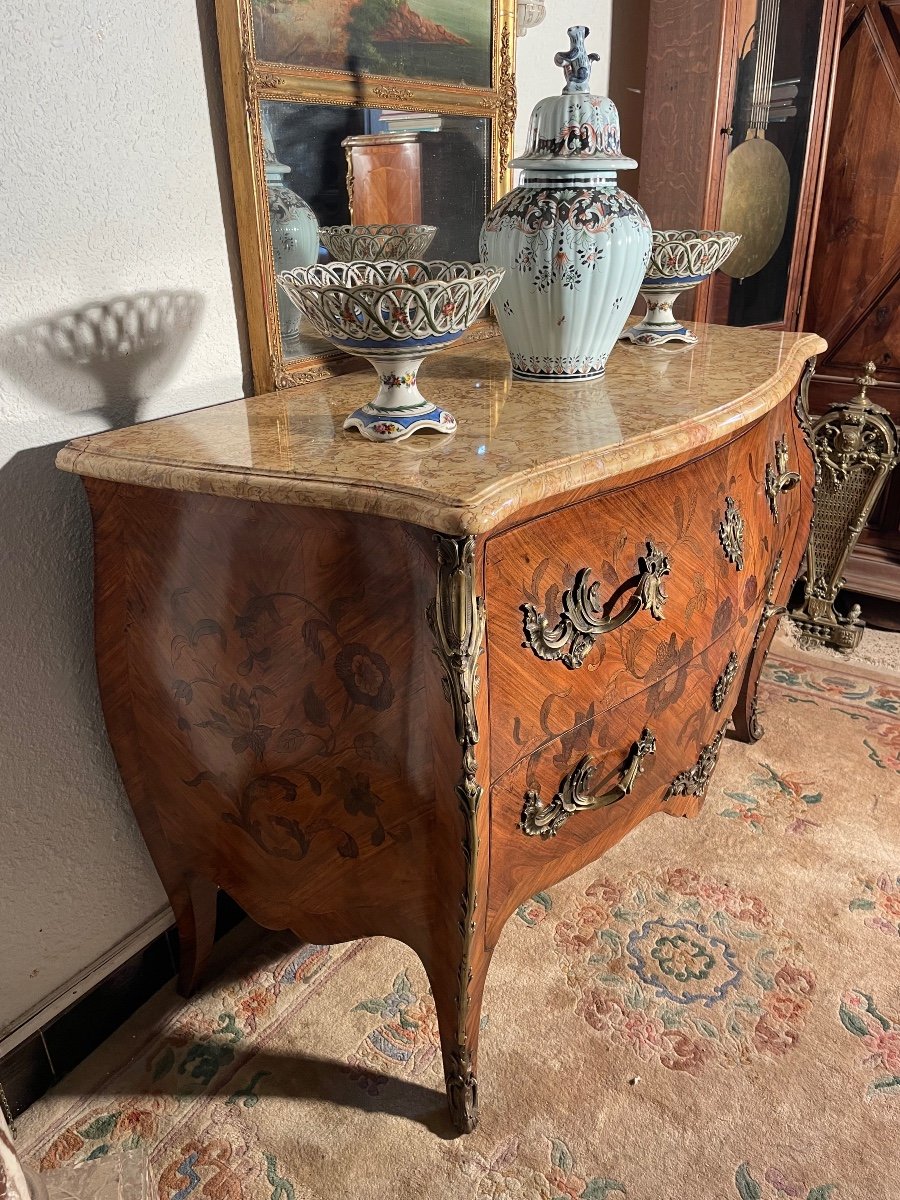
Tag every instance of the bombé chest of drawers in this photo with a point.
(398, 689)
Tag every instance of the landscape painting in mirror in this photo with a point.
(332, 165)
(440, 41)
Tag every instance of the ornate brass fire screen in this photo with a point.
(855, 445)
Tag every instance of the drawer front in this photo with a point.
(601, 600)
(567, 802)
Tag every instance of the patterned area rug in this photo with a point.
(711, 1012)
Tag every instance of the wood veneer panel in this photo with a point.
(677, 710)
(681, 515)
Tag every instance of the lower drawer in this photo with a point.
(543, 824)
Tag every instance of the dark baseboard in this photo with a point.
(30, 1070)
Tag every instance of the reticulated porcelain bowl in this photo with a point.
(688, 255)
(679, 260)
(394, 314)
(354, 243)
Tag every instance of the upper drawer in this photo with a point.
(598, 601)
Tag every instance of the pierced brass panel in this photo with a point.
(856, 447)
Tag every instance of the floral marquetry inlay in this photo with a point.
(316, 738)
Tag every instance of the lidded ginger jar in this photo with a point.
(575, 247)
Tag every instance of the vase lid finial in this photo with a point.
(576, 62)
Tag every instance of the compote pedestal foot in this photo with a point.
(394, 314)
(679, 260)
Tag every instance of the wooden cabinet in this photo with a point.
(834, 114)
(384, 178)
(854, 287)
(720, 75)
(370, 690)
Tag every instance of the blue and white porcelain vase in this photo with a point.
(574, 246)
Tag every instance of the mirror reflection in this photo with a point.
(333, 165)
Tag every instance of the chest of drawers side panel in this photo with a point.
(268, 678)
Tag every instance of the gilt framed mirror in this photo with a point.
(358, 112)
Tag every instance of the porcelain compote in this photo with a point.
(394, 314)
(357, 243)
(679, 260)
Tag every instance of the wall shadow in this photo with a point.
(94, 367)
(105, 357)
(212, 73)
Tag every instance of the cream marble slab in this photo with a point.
(517, 444)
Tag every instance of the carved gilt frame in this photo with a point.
(247, 82)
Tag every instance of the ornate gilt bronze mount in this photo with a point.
(724, 682)
(855, 445)
(695, 781)
(778, 478)
(457, 622)
(731, 533)
(582, 621)
(544, 820)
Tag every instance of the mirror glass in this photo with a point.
(340, 165)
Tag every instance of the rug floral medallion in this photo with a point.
(710, 1012)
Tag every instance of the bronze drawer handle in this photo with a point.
(581, 621)
(544, 820)
(778, 478)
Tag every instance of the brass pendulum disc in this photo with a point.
(754, 204)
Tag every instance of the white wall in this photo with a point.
(109, 188)
(536, 74)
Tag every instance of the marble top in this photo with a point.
(518, 443)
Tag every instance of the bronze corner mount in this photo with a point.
(695, 780)
(731, 533)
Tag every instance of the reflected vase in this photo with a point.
(295, 239)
